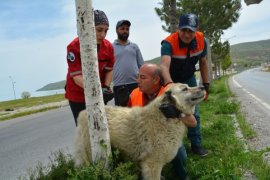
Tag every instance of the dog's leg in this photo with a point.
(151, 170)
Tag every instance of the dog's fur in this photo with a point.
(144, 133)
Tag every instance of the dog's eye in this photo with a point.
(185, 89)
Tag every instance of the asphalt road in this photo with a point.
(251, 88)
(31, 139)
(256, 82)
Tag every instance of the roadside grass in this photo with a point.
(227, 158)
(30, 102)
(8, 108)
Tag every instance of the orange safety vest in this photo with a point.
(183, 59)
(138, 98)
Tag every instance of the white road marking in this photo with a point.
(252, 95)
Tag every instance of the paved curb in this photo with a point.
(33, 108)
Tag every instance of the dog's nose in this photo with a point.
(201, 88)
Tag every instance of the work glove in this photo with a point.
(206, 87)
(169, 111)
(107, 94)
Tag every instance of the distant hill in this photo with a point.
(250, 54)
(257, 50)
(154, 61)
(53, 86)
(244, 54)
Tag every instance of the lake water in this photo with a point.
(10, 96)
(47, 93)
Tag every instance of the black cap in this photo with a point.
(189, 21)
(100, 18)
(122, 22)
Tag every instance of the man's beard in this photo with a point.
(123, 36)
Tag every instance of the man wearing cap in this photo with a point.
(180, 52)
(74, 81)
(128, 60)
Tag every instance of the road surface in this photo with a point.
(27, 140)
(251, 88)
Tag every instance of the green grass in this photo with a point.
(33, 101)
(7, 106)
(227, 158)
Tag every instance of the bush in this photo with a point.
(25, 95)
(61, 167)
(227, 107)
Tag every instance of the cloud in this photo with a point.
(252, 24)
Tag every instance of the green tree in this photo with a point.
(215, 16)
(170, 17)
(219, 52)
(226, 62)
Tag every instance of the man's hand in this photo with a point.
(206, 87)
(107, 94)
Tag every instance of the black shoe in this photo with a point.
(199, 150)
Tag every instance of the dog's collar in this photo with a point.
(170, 111)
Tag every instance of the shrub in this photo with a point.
(25, 95)
(227, 107)
(62, 167)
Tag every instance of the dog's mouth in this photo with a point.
(197, 99)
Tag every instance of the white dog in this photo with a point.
(144, 133)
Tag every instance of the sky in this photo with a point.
(34, 35)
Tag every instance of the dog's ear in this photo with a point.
(167, 106)
(168, 99)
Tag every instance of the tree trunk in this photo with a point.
(98, 125)
(173, 16)
(209, 61)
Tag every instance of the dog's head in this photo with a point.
(181, 98)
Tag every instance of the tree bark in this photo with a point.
(173, 20)
(209, 61)
(98, 125)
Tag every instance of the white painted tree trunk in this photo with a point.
(209, 61)
(98, 125)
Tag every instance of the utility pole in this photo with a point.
(13, 86)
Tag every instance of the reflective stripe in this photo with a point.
(185, 56)
(75, 73)
(196, 54)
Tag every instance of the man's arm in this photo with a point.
(204, 70)
(204, 75)
(108, 77)
(189, 121)
(165, 68)
(139, 57)
(166, 52)
(78, 80)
